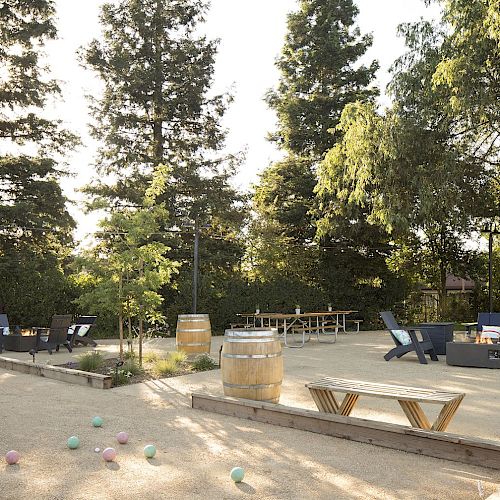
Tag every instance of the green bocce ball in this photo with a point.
(237, 474)
(97, 421)
(149, 451)
(73, 442)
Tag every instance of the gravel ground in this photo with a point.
(196, 450)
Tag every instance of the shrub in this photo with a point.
(203, 362)
(129, 355)
(90, 361)
(166, 367)
(120, 377)
(132, 366)
(178, 356)
(150, 356)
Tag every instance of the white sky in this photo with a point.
(251, 36)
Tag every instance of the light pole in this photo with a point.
(491, 229)
(195, 265)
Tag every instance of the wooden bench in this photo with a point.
(409, 398)
(326, 329)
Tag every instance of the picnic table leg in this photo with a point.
(446, 414)
(348, 404)
(415, 414)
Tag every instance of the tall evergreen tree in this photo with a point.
(35, 227)
(156, 111)
(320, 75)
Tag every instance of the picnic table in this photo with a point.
(305, 323)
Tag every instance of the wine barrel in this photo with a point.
(193, 334)
(252, 364)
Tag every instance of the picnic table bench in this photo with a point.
(409, 398)
(326, 329)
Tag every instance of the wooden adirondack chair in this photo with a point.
(79, 332)
(56, 335)
(420, 347)
(4, 323)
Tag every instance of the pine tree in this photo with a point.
(320, 75)
(157, 110)
(35, 234)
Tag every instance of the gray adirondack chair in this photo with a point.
(420, 347)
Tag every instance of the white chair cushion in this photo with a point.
(493, 332)
(6, 330)
(82, 331)
(402, 336)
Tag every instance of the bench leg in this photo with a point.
(348, 404)
(325, 401)
(446, 414)
(415, 414)
(334, 333)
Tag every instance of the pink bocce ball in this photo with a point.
(109, 454)
(12, 457)
(122, 437)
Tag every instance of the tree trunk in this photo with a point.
(141, 270)
(120, 316)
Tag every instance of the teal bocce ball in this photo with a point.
(97, 421)
(149, 451)
(73, 442)
(237, 474)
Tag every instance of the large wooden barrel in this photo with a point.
(252, 364)
(193, 334)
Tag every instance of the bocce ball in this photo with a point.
(237, 474)
(12, 457)
(97, 421)
(122, 437)
(73, 442)
(149, 451)
(109, 454)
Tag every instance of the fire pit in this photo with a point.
(480, 354)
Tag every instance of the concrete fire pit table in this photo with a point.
(473, 354)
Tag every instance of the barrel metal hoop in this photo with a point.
(192, 343)
(252, 356)
(252, 386)
(252, 341)
(195, 330)
(247, 334)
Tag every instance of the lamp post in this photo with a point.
(491, 229)
(195, 264)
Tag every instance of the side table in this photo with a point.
(440, 333)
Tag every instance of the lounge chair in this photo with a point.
(78, 332)
(483, 319)
(56, 335)
(4, 329)
(406, 340)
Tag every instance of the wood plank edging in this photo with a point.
(447, 446)
(68, 375)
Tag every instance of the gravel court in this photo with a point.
(196, 449)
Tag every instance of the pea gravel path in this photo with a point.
(196, 450)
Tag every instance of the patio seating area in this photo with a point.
(196, 448)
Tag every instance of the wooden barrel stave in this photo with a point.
(252, 364)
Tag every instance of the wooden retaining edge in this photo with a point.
(454, 447)
(69, 375)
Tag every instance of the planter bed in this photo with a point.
(61, 373)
